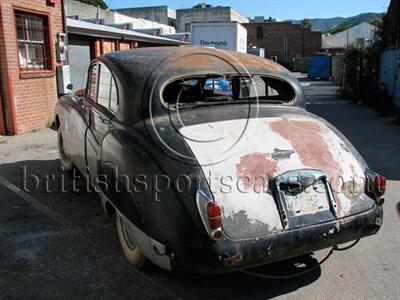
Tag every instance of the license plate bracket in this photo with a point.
(304, 197)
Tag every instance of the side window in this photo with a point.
(104, 86)
(113, 96)
(92, 83)
(107, 96)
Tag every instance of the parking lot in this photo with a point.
(59, 244)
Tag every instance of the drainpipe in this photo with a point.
(2, 113)
(11, 105)
(8, 93)
(65, 29)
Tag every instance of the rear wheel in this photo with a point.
(65, 157)
(131, 251)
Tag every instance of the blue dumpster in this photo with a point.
(319, 67)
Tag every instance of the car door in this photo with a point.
(103, 100)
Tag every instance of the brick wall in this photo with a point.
(34, 96)
(125, 45)
(102, 45)
(2, 120)
(274, 34)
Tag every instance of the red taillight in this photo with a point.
(217, 234)
(380, 185)
(376, 186)
(214, 215)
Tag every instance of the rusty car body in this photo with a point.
(208, 180)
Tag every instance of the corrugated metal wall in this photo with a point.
(389, 74)
(345, 38)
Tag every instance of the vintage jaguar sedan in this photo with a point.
(209, 161)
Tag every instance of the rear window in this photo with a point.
(219, 88)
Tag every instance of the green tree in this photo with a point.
(202, 5)
(378, 22)
(306, 23)
(341, 27)
(99, 3)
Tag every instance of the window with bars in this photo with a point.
(33, 41)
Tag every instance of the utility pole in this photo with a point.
(302, 39)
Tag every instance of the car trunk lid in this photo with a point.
(247, 162)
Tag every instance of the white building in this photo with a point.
(220, 35)
(87, 12)
(362, 33)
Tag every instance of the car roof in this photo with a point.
(143, 61)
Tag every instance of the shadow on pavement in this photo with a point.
(239, 285)
(374, 138)
(85, 211)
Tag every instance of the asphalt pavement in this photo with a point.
(58, 244)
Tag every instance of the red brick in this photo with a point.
(273, 38)
(35, 98)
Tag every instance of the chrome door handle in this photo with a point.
(104, 120)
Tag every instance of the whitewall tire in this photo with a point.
(131, 251)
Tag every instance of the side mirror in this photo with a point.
(80, 93)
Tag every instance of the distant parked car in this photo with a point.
(210, 162)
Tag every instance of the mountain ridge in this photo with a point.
(325, 24)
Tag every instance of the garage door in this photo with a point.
(79, 60)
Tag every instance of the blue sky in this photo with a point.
(281, 9)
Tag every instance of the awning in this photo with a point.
(104, 31)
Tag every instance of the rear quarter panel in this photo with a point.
(166, 215)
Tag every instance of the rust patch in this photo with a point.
(210, 58)
(307, 141)
(255, 169)
(200, 60)
(233, 260)
(307, 125)
(254, 61)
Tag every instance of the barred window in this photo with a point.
(33, 41)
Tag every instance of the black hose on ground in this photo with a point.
(334, 248)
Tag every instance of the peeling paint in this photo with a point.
(352, 189)
(281, 154)
(256, 169)
(307, 143)
(344, 147)
(306, 138)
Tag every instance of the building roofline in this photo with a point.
(99, 30)
(275, 22)
(200, 8)
(142, 7)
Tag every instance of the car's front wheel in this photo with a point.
(131, 251)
